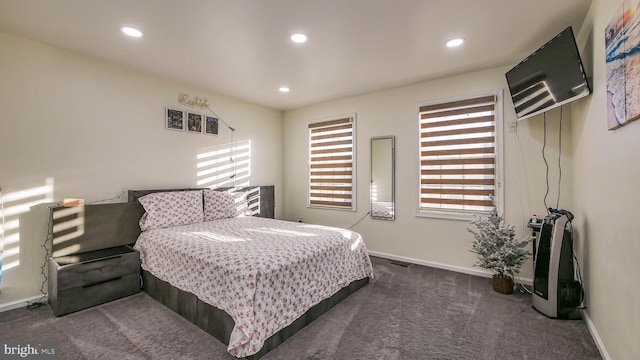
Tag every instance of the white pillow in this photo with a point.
(165, 209)
(223, 205)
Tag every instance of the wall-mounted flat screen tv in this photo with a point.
(552, 76)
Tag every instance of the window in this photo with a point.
(332, 163)
(458, 156)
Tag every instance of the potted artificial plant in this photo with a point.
(498, 249)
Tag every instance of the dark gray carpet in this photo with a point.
(405, 313)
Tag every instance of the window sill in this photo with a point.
(448, 215)
(326, 207)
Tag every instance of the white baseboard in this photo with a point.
(595, 335)
(21, 303)
(460, 269)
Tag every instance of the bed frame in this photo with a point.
(215, 321)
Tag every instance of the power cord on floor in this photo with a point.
(523, 289)
(43, 269)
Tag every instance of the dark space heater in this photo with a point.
(556, 293)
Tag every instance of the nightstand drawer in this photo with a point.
(82, 280)
(83, 297)
(97, 269)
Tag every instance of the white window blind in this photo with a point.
(331, 163)
(458, 155)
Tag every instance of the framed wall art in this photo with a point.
(210, 125)
(622, 44)
(174, 119)
(194, 122)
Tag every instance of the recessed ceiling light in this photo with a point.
(133, 32)
(455, 42)
(299, 38)
(284, 89)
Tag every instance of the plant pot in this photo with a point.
(503, 285)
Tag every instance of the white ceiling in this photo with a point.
(241, 48)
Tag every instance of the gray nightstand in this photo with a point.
(87, 279)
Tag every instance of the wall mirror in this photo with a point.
(382, 193)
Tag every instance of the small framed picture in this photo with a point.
(174, 119)
(210, 125)
(194, 122)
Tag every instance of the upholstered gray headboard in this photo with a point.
(79, 229)
(93, 227)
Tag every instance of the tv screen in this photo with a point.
(553, 75)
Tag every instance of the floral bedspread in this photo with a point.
(264, 273)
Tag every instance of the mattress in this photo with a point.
(264, 273)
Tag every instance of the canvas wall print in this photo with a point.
(174, 119)
(194, 122)
(211, 125)
(622, 41)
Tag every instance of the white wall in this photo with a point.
(394, 112)
(72, 126)
(607, 176)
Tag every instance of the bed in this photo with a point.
(249, 280)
